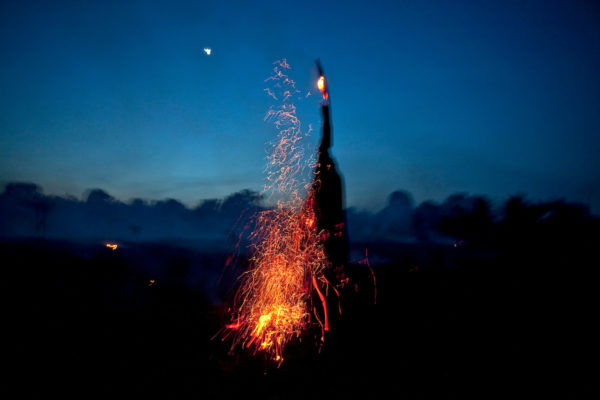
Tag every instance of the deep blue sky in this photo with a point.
(484, 97)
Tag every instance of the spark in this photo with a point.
(366, 260)
(283, 64)
(270, 93)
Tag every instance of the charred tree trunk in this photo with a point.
(329, 205)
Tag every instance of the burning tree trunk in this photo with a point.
(328, 202)
(328, 205)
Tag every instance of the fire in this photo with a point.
(274, 303)
(112, 246)
(321, 86)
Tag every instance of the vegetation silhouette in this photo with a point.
(471, 299)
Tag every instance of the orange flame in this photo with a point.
(274, 302)
(112, 246)
(321, 86)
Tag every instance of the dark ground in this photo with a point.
(449, 323)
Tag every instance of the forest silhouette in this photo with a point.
(470, 299)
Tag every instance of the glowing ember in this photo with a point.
(111, 246)
(274, 302)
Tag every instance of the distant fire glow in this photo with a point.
(274, 303)
(112, 246)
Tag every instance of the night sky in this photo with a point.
(492, 98)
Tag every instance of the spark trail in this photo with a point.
(274, 303)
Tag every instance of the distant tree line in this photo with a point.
(468, 220)
(26, 212)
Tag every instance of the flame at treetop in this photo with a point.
(321, 83)
(274, 303)
(321, 86)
